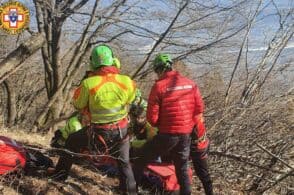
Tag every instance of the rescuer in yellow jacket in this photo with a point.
(106, 94)
(72, 125)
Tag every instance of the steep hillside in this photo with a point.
(83, 179)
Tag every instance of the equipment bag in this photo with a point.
(163, 176)
(12, 156)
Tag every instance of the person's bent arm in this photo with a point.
(81, 97)
(198, 114)
(153, 107)
(132, 92)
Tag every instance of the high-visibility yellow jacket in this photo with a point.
(106, 94)
(72, 125)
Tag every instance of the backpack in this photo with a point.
(12, 156)
(163, 176)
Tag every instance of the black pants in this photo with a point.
(178, 146)
(199, 160)
(119, 147)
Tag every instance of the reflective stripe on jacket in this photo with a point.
(106, 95)
(173, 104)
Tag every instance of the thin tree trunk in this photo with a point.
(245, 39)
(10, 106)
(15, 59)
(267, 64)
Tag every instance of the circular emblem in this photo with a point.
(14, 17)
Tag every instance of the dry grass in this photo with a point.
(237, 131)
(83, 179)
(27, 137)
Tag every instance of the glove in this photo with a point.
(57, 134)
(202, 148)
(203, 145)
(57, 141)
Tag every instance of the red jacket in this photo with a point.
(174, 103)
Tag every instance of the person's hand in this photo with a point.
(202, 147)
(57, 133)
(56, 139)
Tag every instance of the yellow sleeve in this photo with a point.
(81, 97)
(138, 143)
(132, 92)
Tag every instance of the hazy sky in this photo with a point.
(267, 24)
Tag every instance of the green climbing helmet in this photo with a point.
(162, 61)
(101, 56)
(116, 63)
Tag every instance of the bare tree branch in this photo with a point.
(241, 50)
(278, 43)
(290, 173)
(162, 36)
(15, 59)
(279, 159)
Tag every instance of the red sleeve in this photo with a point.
(198, 113)
(199, 105)
(200, 126)
(153, 106)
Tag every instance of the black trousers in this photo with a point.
(119, 146)
(199, 160)
(178, 146)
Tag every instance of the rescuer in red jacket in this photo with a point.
(173, 104)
